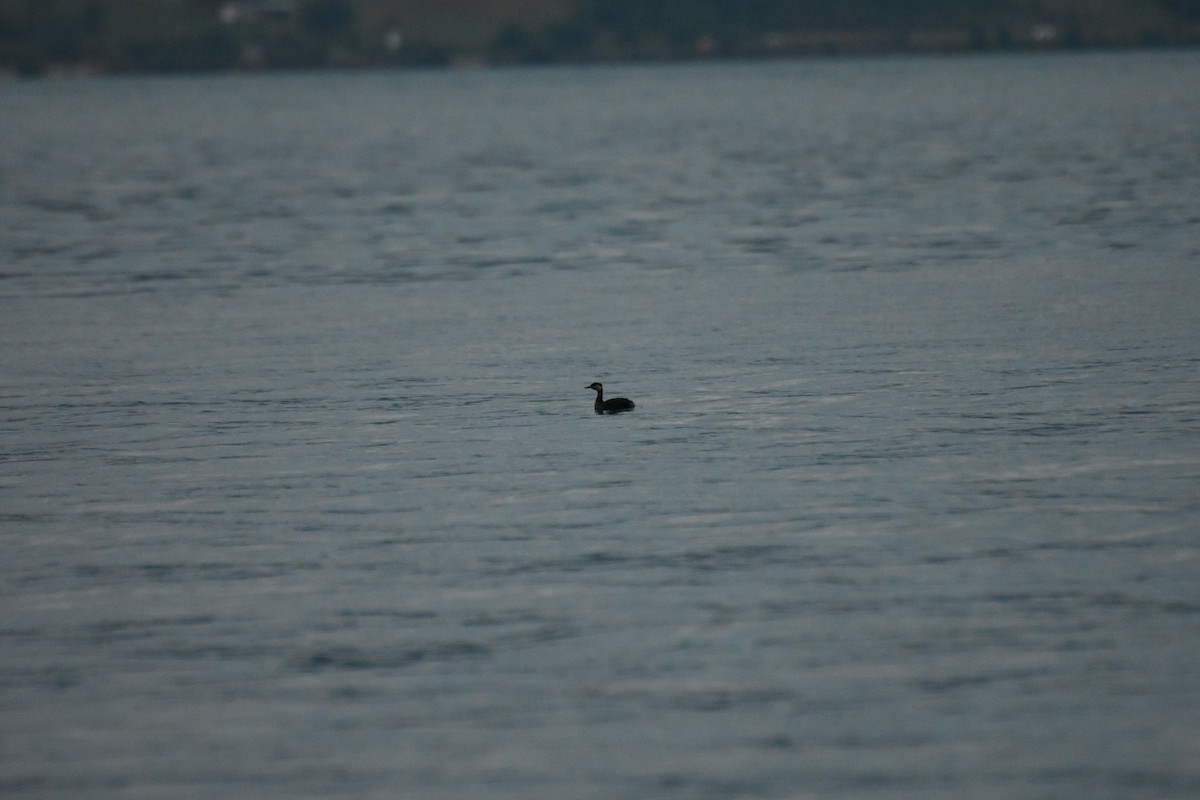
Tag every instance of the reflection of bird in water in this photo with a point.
(612, 406)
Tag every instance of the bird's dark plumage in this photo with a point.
(612, 405)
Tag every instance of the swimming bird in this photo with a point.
(611, 406)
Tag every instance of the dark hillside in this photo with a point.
(38, 36)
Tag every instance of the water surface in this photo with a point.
(303, 495)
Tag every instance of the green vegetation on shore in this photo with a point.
(41, 36)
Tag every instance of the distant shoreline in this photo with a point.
(466, 62)
(89, 37)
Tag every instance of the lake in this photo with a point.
(303, 495)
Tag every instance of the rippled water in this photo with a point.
(303, 495)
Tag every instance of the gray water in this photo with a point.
(303, 495)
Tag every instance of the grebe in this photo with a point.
(611, 406)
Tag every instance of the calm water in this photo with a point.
(303, 495)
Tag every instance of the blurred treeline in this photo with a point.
(37, 36)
